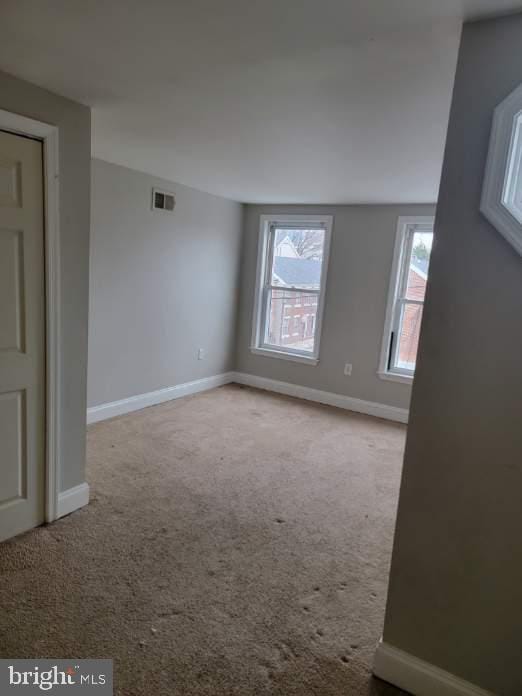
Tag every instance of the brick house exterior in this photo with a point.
(292, 315)
(411, 323)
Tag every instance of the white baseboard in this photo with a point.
(419, 677)
(369, 408)
(72, 499)
(135, 403)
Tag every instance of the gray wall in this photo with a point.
(455, 592)
(74, 123)
(162, 285)
(357, 288)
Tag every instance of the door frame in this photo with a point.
(49, 136)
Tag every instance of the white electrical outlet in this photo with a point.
(201, 354)
(348, 369)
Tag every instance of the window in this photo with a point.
(502, 191)
(291, 278)
(406, 299)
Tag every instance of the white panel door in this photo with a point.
(22, 336)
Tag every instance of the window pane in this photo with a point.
(418, 266)
(297, 258)
(291, 319)
(409, 336)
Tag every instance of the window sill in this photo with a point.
(394, 377)
(281, 355)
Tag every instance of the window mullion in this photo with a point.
(395, 328)
(269, 256)
(406, 300)
(264, 314)
(267, 287)
(401, 295)
(288, 288)
(408, 246)
(401, 291)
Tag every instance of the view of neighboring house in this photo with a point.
(412, 317)
(293, 314)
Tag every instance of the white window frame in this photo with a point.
(406, 227)
(258, 345)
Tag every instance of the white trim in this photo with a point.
(499, 170)
(283, 355)
(72, 499)
(135, 403)
(265, 222)
(403, 224)
(49, 135)
(371, 408)
(396, 377)
(419, 677)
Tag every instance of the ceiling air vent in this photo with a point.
(163, 200)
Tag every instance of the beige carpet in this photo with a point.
(237, 543)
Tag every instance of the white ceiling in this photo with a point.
(313, 101)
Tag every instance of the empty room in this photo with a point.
(260, 338)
